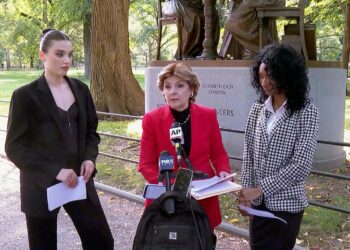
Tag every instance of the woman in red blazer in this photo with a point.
(202, 138)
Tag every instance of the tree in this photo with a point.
(113, 85)
(144, 31)
(87, 38)
(23, 21)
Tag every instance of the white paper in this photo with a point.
(260, 213)
(60, 194)
(199, 185)
(217, 189)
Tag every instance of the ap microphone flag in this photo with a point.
(177, 138)
(176, 135)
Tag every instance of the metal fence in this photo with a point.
(315, 172)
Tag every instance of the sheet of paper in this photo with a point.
(206, 183)
(255, 212)
(60, 194)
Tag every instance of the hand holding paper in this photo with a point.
(60, 194)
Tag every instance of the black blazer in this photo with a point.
(35, 142)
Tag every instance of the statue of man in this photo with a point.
(241, 36)
(190, 27)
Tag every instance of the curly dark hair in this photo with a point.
(286, 67)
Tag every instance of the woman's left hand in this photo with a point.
(87, 168)
(223, 174)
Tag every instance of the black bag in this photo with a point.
(159, 231)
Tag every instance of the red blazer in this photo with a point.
(207, 152)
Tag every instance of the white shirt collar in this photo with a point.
(269, 107)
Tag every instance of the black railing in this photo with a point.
(315, 172)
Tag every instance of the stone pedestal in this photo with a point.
(225, 86)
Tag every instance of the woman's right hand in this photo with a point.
(243, 202)
(68, 176)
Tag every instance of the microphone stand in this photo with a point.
(188, 163)
(169, 203)
(179, 153)
(196, 174)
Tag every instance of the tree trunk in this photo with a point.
(113, 85)
(20, 61)
(87, 43)
(44, 12)
(8, 59)
(31, 62)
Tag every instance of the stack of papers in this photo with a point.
(202, 189)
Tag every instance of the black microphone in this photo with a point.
(166, 165)
(177, 138)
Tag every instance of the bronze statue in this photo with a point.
(190, 26)
(241, 35)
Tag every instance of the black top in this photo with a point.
(69, 123)
(181, 117)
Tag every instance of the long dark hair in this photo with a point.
(286, 67)
(49, 35)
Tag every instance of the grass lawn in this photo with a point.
(321, 228)
(11, 80)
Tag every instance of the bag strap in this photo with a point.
(174, 195)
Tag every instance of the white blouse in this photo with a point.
(275, 115)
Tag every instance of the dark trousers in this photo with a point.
(273, 234)
(88, 219)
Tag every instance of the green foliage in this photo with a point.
(23, 21)
(143, 28)
(328, 15)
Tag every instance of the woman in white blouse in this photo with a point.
(280, 142)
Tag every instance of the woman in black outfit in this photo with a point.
(52, 138)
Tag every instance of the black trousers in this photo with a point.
(88, 219)
(273, 234)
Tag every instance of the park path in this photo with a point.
(123, 217)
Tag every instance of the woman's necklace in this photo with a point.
(186, 120)
(64, 104)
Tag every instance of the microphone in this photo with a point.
(166, 165)
(177, 138)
